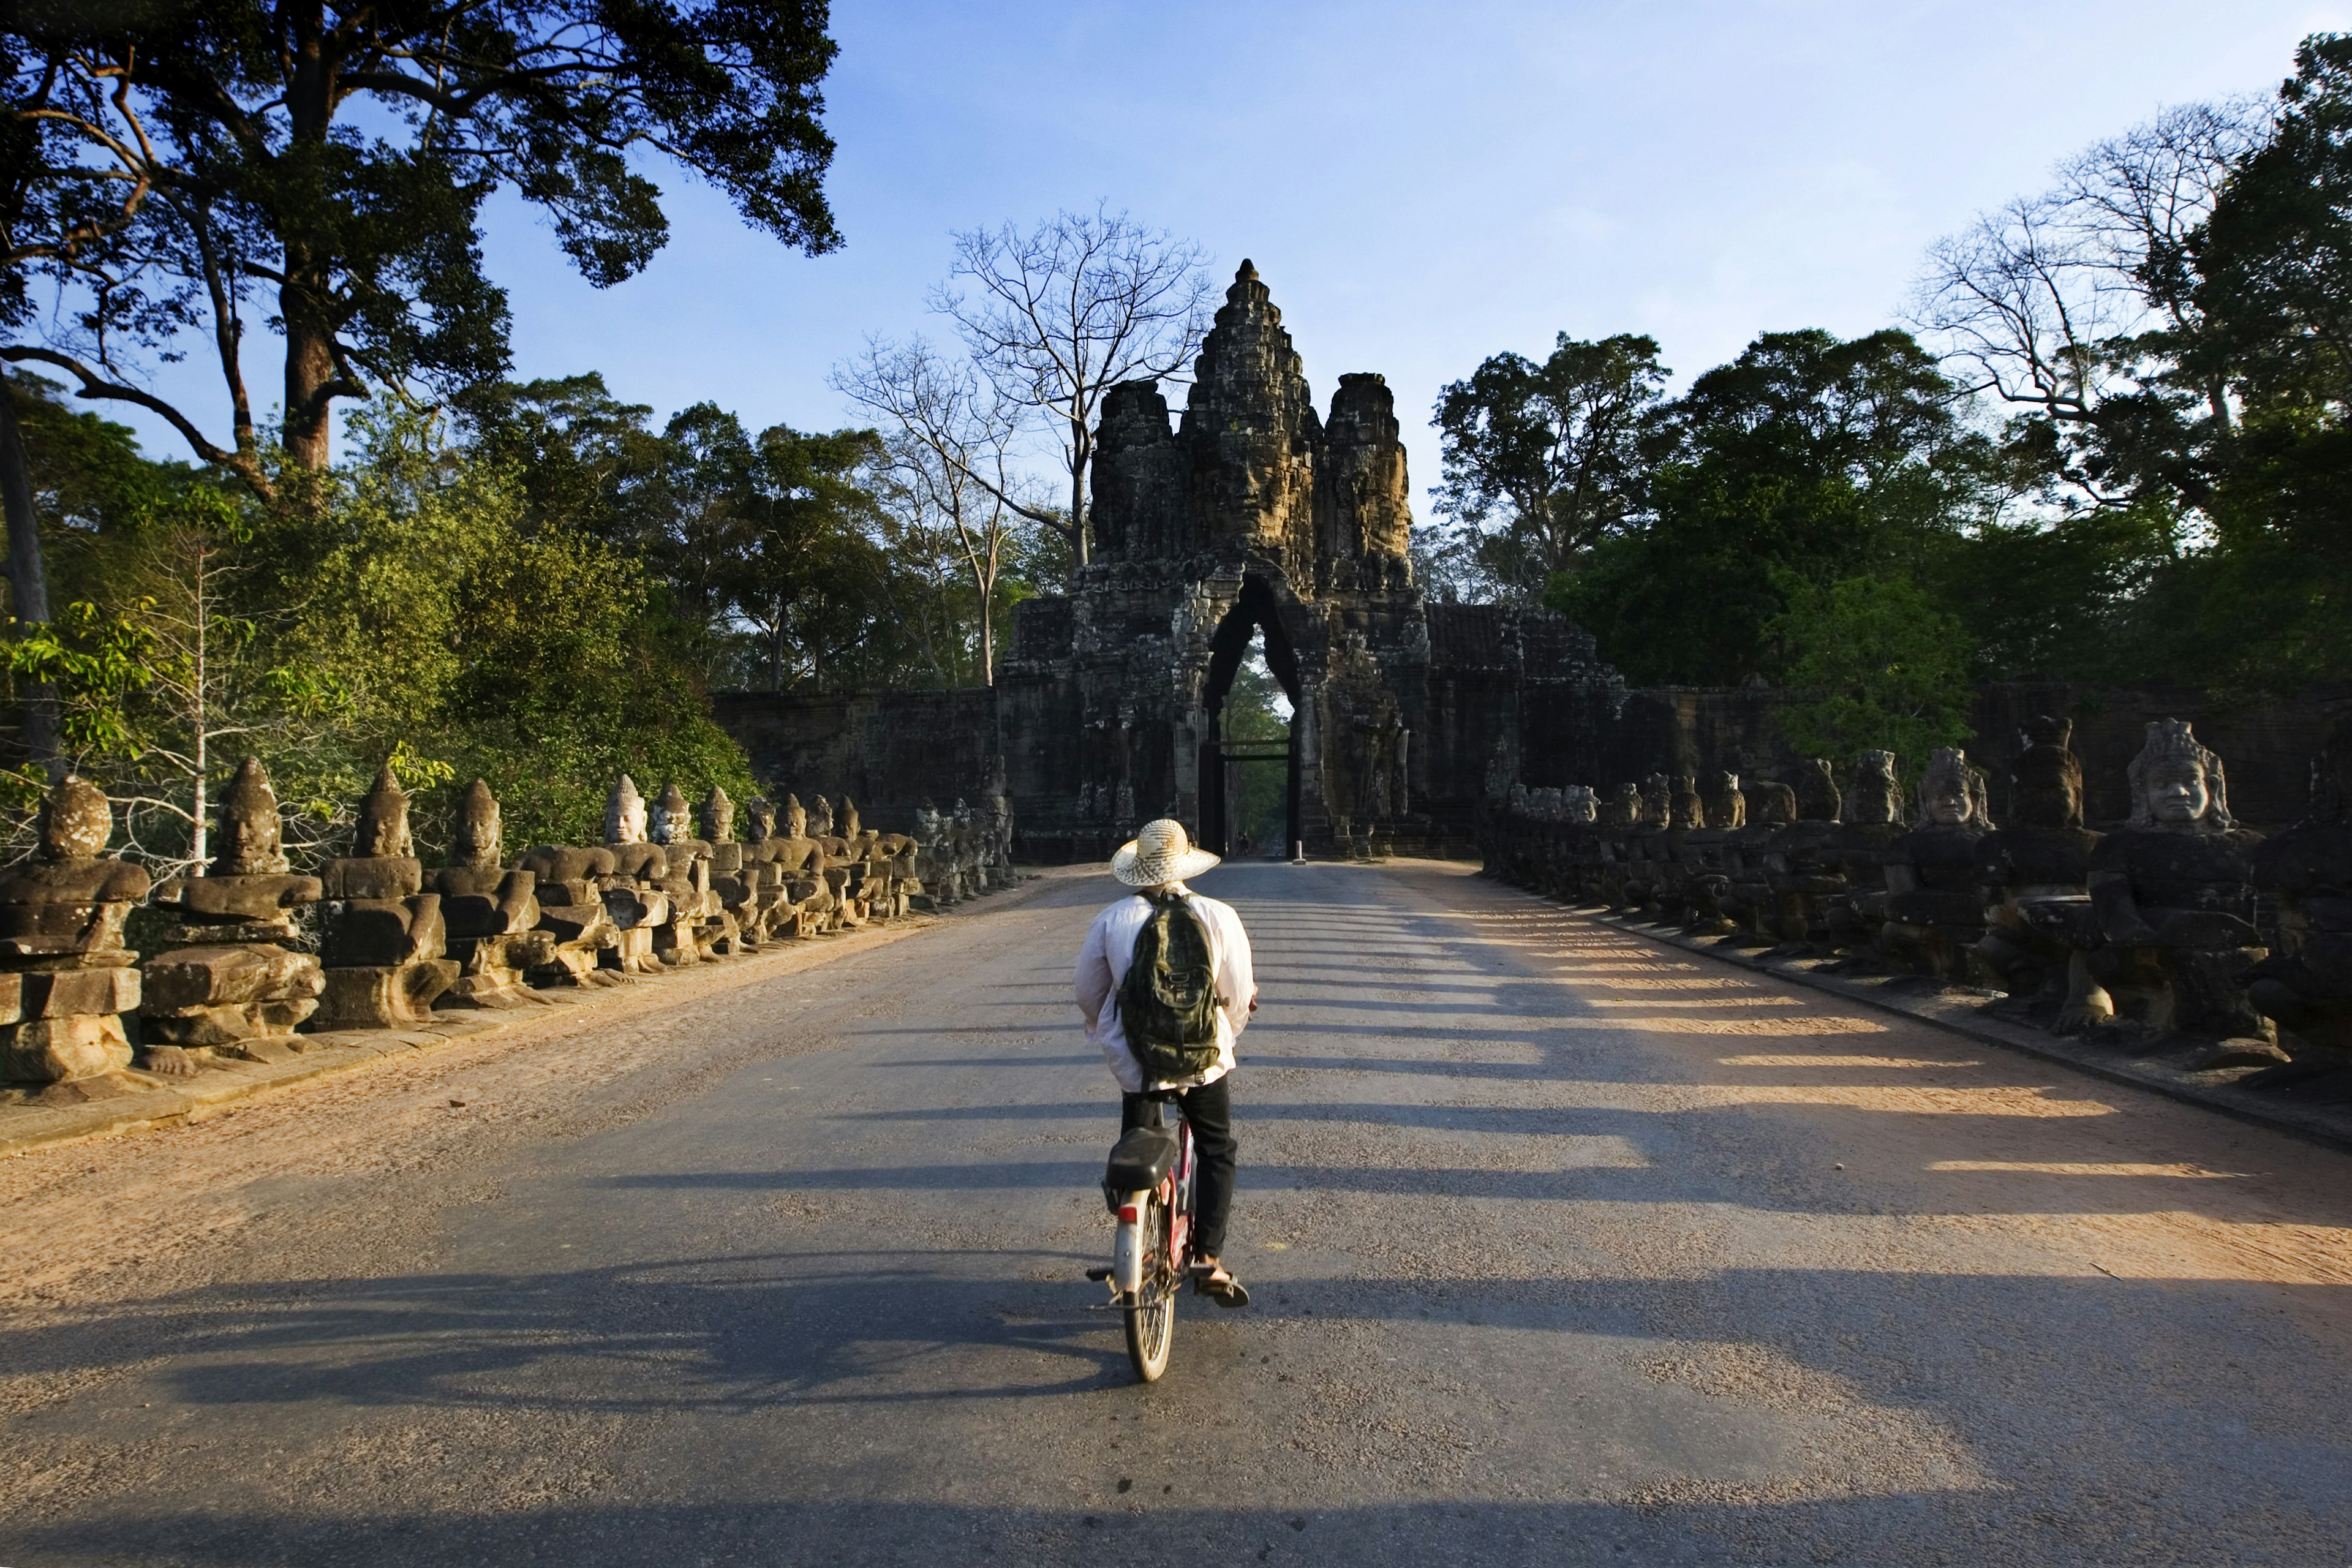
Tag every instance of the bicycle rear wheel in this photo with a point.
(1151, 1325)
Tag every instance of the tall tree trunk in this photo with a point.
(309, 370)
(1080, 457)
(28, 583)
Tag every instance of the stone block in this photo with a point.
(57, 1050)
(384, 996)
(197, 977)
(229, 1023)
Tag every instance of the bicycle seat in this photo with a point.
(1140, 1158)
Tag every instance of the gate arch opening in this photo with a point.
(1255, 613)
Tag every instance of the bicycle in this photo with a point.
(1149, 1183)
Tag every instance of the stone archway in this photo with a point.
(1255, 612)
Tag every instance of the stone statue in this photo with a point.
(1768, 809)
(632, 891)
(820, 819)
(699, 927)
(64, 976)
(383, 934)
(1935, 914)
(2034, 874)
(1803, 868)
(229, 980)
(1873, 820)
(1710, 855)
(491, 914)
(2306, 987)
(2173, 895)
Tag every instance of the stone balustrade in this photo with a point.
(250, 955)
(2178, 929)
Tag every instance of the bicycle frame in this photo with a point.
(1168, 1250)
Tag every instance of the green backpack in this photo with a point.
(1167, 1002)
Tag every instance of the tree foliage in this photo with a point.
(324, 162)
(1544, 461)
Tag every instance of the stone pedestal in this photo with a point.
(215, 997)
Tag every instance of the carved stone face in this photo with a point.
(76, 822)
(249, 827)
(759, 822)
(383, 831)
(1775, 804)
(477, 837)
(1947, 803)
(795, 817)
(1579, 804)
(718, 817)
(2178, 794)
(670, 817)
(624, 814)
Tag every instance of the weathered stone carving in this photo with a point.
(1934, 911)
(2174, 899)
(1710, 855)
(384, 934)
(493, 914)
(1747, 900)
(1873, 821)
(1803, 868)
(227, 979)
(64, 976)
(699, 928)
(2305, 986)
(632, 889)
(2034, 873)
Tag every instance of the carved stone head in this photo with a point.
(1876, 796)
(624, 814)
(1775, 804)
(249, 825)
(1727, 807)
(759, 820)
(672, 820)
(383, 830)
(476, 837)
(1521, 800)
(1952, 793)
(1817, 792)
(76, 822)
(716, 816)
(2176, 784)
(2045, 782)
(845, 819)
(1626, 807)
(795, 817)
(1689, 809)
(820, 819)
(1658, 800)
(1578, 805)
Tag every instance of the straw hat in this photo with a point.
(1161, 852)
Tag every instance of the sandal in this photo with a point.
(1218, 1286)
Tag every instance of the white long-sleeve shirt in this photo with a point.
(1103, 963)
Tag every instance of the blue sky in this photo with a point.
(1421, 184)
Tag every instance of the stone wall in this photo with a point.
(889, 750)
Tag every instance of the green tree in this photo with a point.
(2274, 265)
(1824, 458)
(173, 165)
(1543, 461)
(1882, 667)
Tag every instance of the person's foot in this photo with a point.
(1209, 1278)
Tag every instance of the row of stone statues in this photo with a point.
(249, 950)
(2178, 924)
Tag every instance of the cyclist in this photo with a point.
(1158, 863)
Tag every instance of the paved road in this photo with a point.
(1567, 1248)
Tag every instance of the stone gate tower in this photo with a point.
(1253, 513)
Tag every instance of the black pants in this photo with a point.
(1209, 1109)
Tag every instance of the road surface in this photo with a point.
(1566, 1247)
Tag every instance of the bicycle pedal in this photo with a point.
(1099, 1273)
